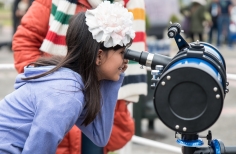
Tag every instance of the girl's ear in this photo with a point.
(99, 57)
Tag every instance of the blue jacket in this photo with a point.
(36, 116)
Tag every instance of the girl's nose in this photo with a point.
(126, 61)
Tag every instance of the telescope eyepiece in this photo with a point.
(146, 58)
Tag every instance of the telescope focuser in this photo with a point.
(155, 75)
(196, 46)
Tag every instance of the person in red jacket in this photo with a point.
(37, 36)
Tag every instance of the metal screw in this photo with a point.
(184, 129)
(171, 34)
(155, 72)
(168, 77)
(163, 83)
(177, 126)
(159, 67)
(215, 89)
(217, 96)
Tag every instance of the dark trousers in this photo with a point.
(223, 24)
(213, 28)
(88, 147)
(191, 35)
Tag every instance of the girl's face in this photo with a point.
(111, 64)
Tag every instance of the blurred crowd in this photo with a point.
(213, 18)
(18, 10)
(212, 21)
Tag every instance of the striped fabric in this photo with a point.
(61, 11)
(135, 80)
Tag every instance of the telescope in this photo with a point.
(189, 91)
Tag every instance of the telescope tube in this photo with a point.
(146, 58)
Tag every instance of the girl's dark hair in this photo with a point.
(81, 58)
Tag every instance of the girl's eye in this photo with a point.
(122, 53)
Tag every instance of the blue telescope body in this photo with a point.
(190, 88)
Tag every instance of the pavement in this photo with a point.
(223, 129)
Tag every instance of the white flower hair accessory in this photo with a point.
(111, 24)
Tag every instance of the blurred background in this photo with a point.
(212, 21)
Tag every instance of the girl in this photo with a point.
(55, 93)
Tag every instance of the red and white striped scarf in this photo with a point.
(61, 11)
